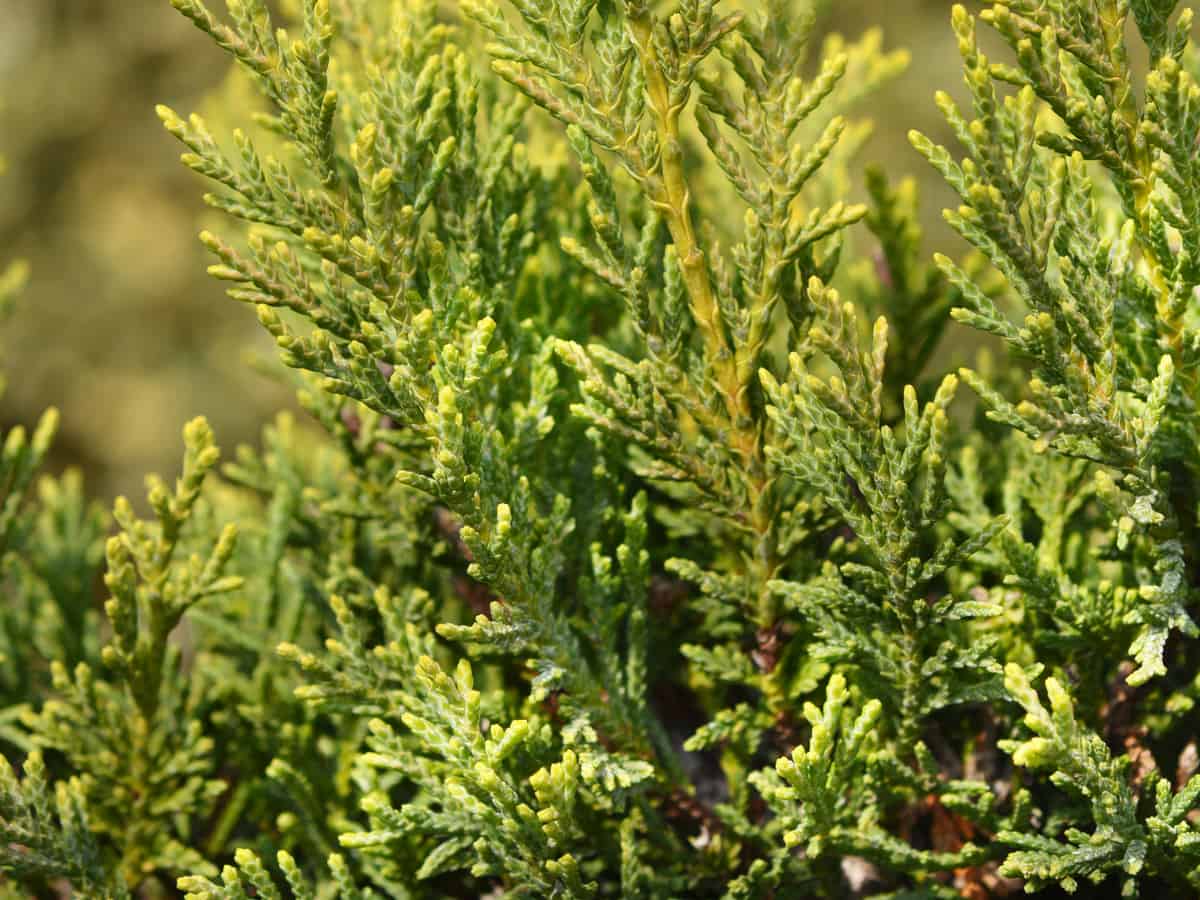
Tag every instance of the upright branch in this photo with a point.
(1113, 379)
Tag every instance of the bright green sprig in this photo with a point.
(20, 458)
(621, 78)
(1113, 361)
(147, 759)
(250, 878)
(823, 792)
(150, 591)
(407, 299)
(889, 487)
(492, 821)
(817, 778)
(1121, 840)
(428, 727)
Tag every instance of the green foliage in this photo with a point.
(606, 482)
(47, 834)
(1122, 840)
(826, 796)
(253, 875)
(891, 492)
(145, 760)
(1105, 287)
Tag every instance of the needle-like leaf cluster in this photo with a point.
(633, 543)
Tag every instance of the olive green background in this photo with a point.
(120, 327)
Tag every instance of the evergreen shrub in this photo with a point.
(633, 542)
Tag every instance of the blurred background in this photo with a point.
(119, 326)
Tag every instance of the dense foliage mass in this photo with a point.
(639, 548)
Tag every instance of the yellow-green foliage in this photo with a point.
(631, 549)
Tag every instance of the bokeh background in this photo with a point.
(120, 327)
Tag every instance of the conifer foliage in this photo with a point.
(634, 544)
